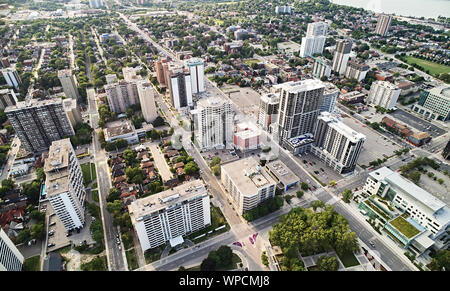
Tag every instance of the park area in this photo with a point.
(89, 173)
(433, 67)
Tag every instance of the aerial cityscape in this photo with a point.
(224, 135)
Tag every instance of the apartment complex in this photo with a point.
(73, 113)
(214, 123)
(171, 214)
(315, 38)
(247, 183)
(434, 104)
(322, 67)
(179, 83)
(95, 3)
(268, 110)
(196, 67)
(147, 99)
(336, 144)
(10, 257)
(330, 95)
(121, 95)
(39, 123)
(64, 184)
(69, 83)
(161, 67)
(384, 94)
(7, 98)
(341, 55)
(383, 24)
(11, 77)
(356, 71)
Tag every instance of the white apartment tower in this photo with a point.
(10, 257)
(341, 55)
(214, 123)
(330, 96)
(95, 3)
(179, 82)
(196, 67)
(268, 110)
(384, 94)
(69, 83)
(64, 184)
(11, 77)
(147, 99)
(315, 38)
(171, 214)
(337, 144)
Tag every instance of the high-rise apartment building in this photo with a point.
(268, 110)
(214, 123)
(284, 9)
(11, 77)
(7, 98)
(330, 96)
(64, 184)
(383, 24)
(315, 38)
(356, 70)
(247, 183)
(10, 257)
(121, 95)
(434, 104)
(341, 55)
(384, 94)
(69, 83)
(322, 67)
(336, 144)
(147, 99)
(196, 67)
(95, 3)
(171, 214)
(39, 123)
(179, 82)
(160, 71)
(73, 113)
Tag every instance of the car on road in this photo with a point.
(50, 245)
(50, 233)
(251, 240)
(316, 172)
(372, 244)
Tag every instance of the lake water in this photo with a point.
(417, 8)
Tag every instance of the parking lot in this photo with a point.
(375, 147)
(224, 155)
(417, 123)
(318, 168)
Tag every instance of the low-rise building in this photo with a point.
(122, 129)
(282, 174)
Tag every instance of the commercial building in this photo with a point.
(383, 24)
(179, 83)
(330, 95)
(341, 55)
(383, 94)
(122, 129)
(282, 174)
(171, 214)
(247, 183)
(11, 77)
(298, 110)
(268, 110)
(121, 95)
(95, 3)
(69, 83)
(196, 67)
(73, 113)
(356, 71)
(7, 98)
(419, 138)
(147, 99)
(336, 144)
(322, 67)
(418, 221)
(10, 257)
(315, 38)
(247, 136)
(214, 123)
(64, 184)
(434, 104)
(39, 123)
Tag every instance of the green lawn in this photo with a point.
(434, 68)
(87, 176)
(96, 264)
(32, 264)
(349, 260)
(251, 61)
(132, 259)
(406, 228)
(217, 219)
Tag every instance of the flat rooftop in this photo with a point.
(33, 103)
(118, 128)
(301, 86)
(283, 173)
(56, 167)
(341, 127)
(248, 175)
(144, 207)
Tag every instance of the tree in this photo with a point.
(441, 261)
(225, 256)
(347, 195)
(130, 157)
(208, 264)
(264, 259)
(300, 194)
(159, 121)
(181, 268)
(37, 215)
(24, 236)
(304, 186)
(326, 263)
(38, 231)
(190, 168)
(216, 170)
(114, 194)
(332, 183)
(415, 176)
(317, 204)
(134, 175)
(40, 174)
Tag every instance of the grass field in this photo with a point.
(132, 259)
(32, 264)
(251, 61)
(434, 68)
(89, 174)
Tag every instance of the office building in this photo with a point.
(10, 257)
(434, 104)
(171, 214)
(214, 123)
(315, 38)
(330, 95)
(298, 110)
(69, 84)
(356, 71)
(383, 24)
(196, 69)
(424, 219)
(72, 111)
(121, 95)
(39, 123)
(147, 99)
(383, 94)
(268, 110)
(341, 55)
(11, 77)
(64, 184)
(322, 67)
(7, 98)
(336, 144)
(247, 183)
(180, 87)
(95, 3)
